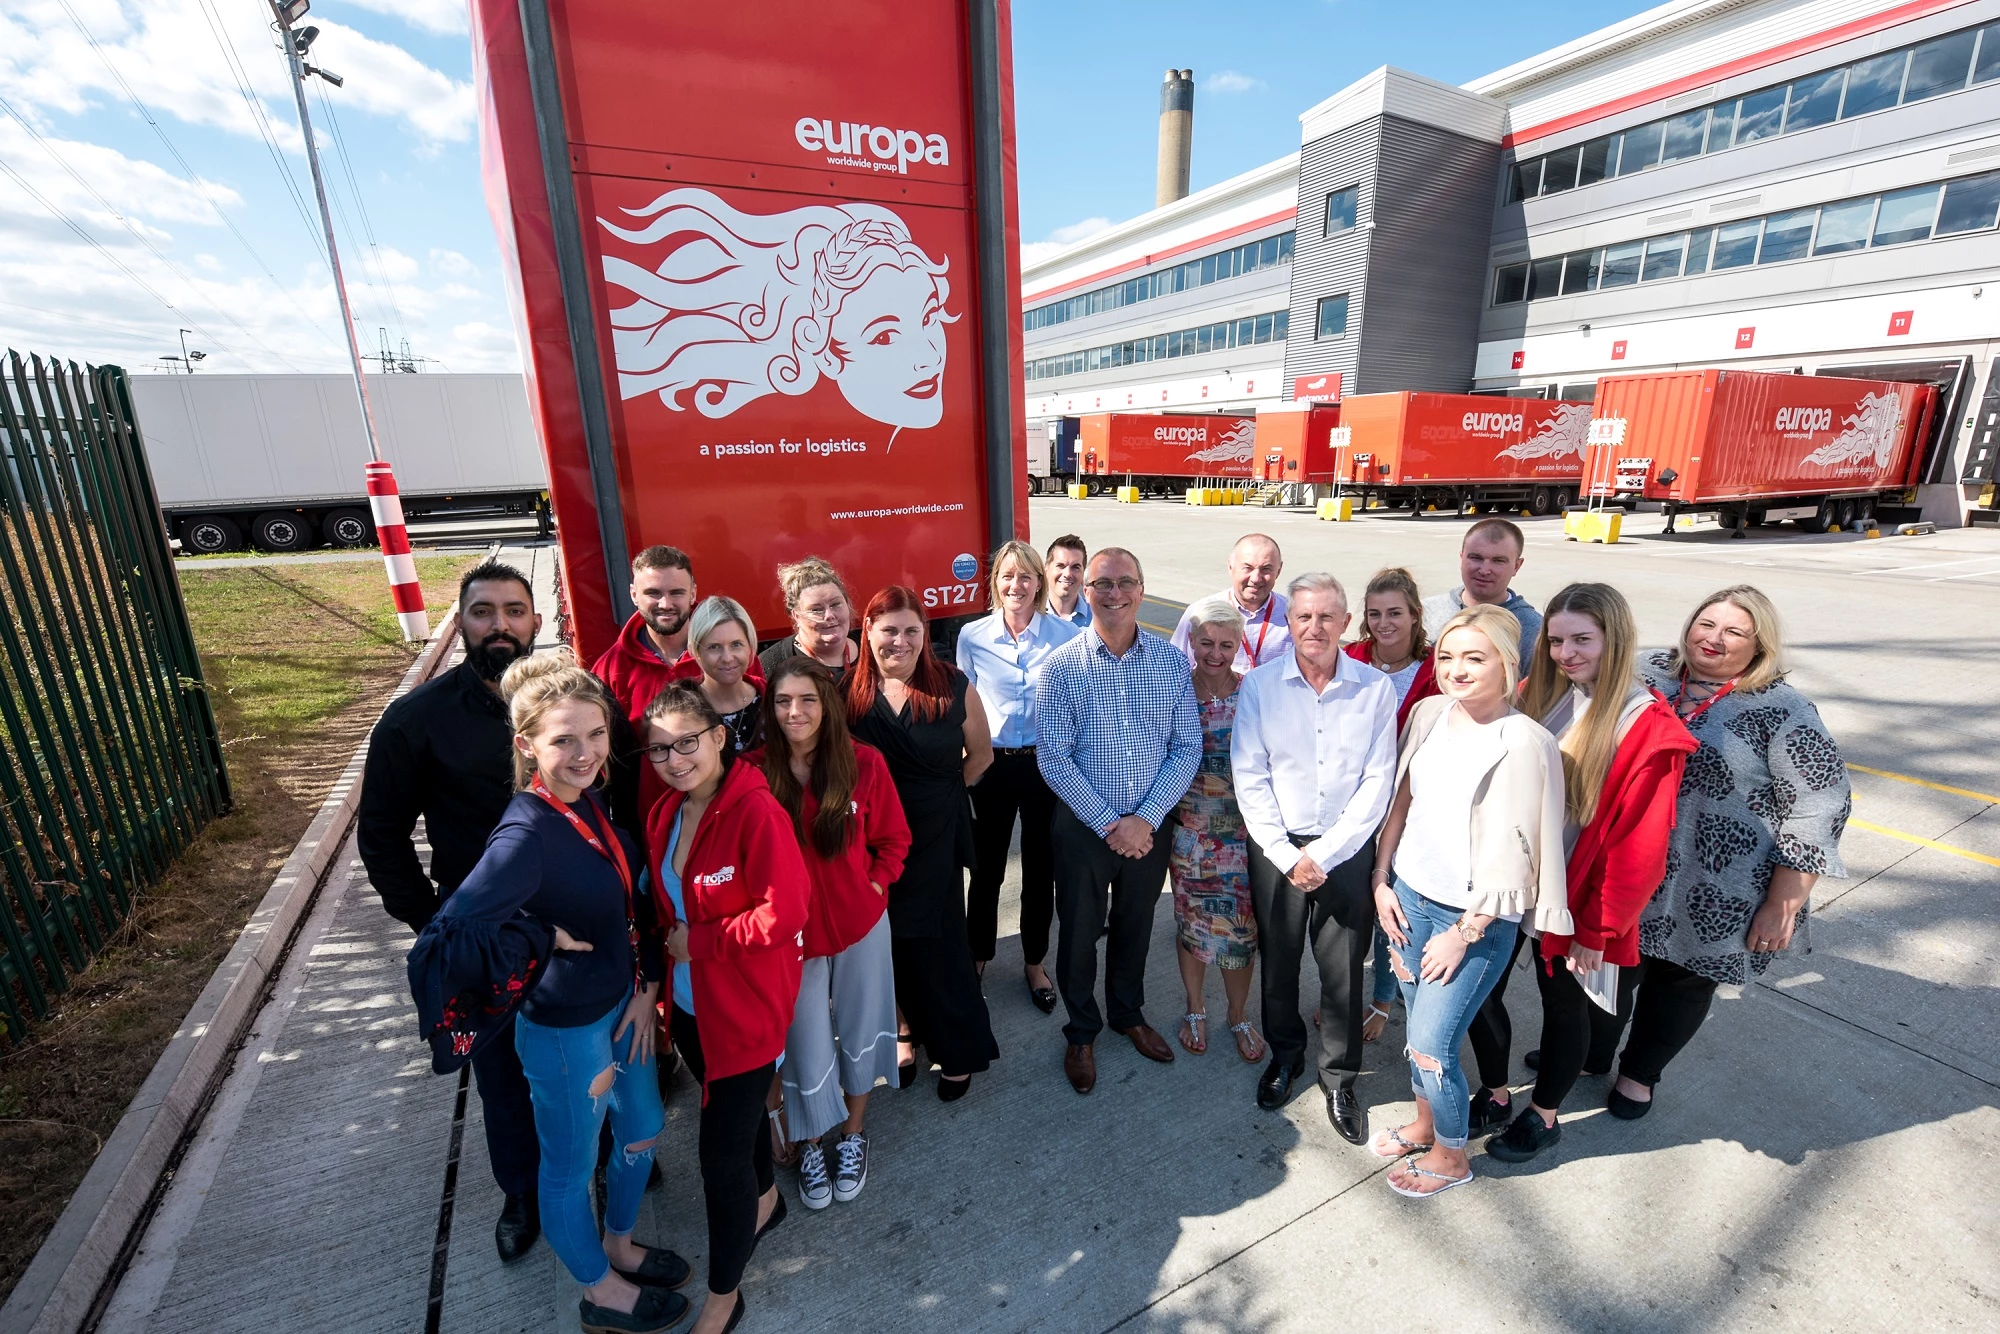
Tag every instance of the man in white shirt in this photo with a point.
(1314, 759)
(1254, 566)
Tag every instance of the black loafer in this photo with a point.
(656, 1311)
(1274, 1088)
(519, 1226)
(1043, 997)
(1624, 1108)
(1343, 1109)
(1527, 1136)
(777, 1217)
(951, 1090)
(1484, 1114)
(662, 1269)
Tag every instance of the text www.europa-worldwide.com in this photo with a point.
(895, 512)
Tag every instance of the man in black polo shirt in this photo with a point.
(445, 752)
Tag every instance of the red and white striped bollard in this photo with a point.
(386, 505)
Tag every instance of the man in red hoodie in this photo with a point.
(652, 649)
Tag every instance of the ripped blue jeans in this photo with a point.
(1439, 1013)
(567, 1069)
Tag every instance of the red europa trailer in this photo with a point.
(1160, 451)
(1757, 446)
(1296, 442)
(1453, 450)
(758, 321)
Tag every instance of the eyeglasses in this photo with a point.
(686, 745)
(1125, 585)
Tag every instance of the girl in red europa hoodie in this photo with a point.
(850, 827)
(1623, 753)
(731, 888)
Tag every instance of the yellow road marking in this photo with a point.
(1966, 853)
(1925, 782)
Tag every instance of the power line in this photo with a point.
(137, 235)
(261, 120)
(194, 178)
(361, 206)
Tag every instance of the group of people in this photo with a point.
(756, 865)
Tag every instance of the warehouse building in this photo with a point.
(1802, 185)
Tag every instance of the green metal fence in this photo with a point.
(112, 761)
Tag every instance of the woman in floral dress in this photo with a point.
(1213, 917)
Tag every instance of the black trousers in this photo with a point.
(509, 1113)
(1099, 893)
(1568, 1018)
(1012, 787)
(1667, 1005)
(1492, 1030)
(1338, 921)
(735, 1155)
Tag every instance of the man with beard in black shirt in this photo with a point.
(445, 752)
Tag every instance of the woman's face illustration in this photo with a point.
(888, 339)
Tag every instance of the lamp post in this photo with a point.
(383, 499)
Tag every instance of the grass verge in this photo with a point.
(300, 659)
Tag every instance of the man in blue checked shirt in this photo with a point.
(1120, 740)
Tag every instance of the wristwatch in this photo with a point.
(1467, 932)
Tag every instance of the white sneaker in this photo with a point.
(815, 1191)
(852, 1172)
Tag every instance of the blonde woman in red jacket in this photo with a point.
(731, 887)
(850, 827)
(1623, 752)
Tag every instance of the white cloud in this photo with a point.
(1034, 252)
(387, 80)
(452, 264)
(1228, 81)
(441, 16)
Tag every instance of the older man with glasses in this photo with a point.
(1120, 740)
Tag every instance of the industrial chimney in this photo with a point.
(1176, 136)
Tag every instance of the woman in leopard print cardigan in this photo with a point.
(1762, 805)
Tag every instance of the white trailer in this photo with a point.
(276, 460)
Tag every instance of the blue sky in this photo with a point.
(115, 232)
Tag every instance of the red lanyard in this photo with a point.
(607, 847)
(1680, 693)
(1257, 653)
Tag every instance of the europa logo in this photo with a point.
(892, 150)
(1803, 421)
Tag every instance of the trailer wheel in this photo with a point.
(1827, 517)
(1541, 501)
(1844, 515)
(349, 528)
(282, 530)
(207, 534)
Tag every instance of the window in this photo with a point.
(1815, 101)
(1559, 170)
(1579, 272)
(1621, 265)
(1663, 257)
(1684, 135)
(1642, 149)
(1787, 235)
(1340, 209)
(1267, 328)
(1906, 215)
(1332, 319)
(1510, 284)
(1760, 116)
(1593, 162)
(1875, 84)
(1164, 282)
(1845, 226)
(1736, 244)
(1986, 65)
(1524, 180)
(1544, 278)
(1970, 204)
(1721, 125)
(1698, 244)
(1939, 65)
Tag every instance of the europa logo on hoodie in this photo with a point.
(721, 876)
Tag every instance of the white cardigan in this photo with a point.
(1517, 857)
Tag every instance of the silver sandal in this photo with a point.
(1384, 1138)
(1198, 1025)
(1449, 1182)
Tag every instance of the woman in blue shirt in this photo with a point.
(1002, 656)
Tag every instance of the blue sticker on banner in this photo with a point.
(964, 566)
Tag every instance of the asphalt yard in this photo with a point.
(1826, 1152)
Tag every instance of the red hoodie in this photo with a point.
(845, 903)
(1422, 686)
(1621, 855)
(636, 676)
(745, 886)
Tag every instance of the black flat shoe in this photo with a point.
(1343, 1109)
(770, 1224)
(1274, 1087)
(662, 1269)
(1624, 1108)
(519, 1226)
(656, 1311)
(1043, 997)
(951, 1090)
(906, 1071)
(1484, 1114)
(735, 1316)
(1527, 1136)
